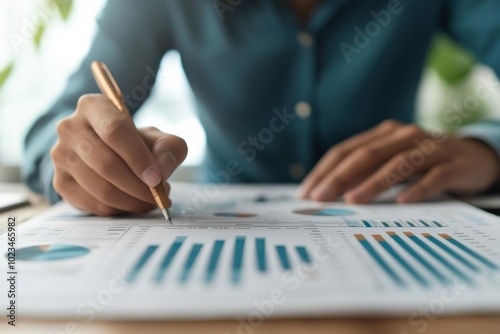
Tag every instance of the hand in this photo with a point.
(104, 165)
(362, 167)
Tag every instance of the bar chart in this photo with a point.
(405, 223)
(425, 259)
(253, 249)
(223, 256)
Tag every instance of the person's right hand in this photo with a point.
(103, 165)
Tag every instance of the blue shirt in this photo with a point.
(275, 95)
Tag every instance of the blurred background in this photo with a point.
(43, 41)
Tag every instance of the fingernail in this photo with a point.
(151, 176)
(405, 197)
(301, 192)
(168, 163)
(320, 193)
(356, 196)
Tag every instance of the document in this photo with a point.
(257, 252)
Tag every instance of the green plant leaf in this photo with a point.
(5, 73)
(64, 7)
(451, 62)
(40, 31)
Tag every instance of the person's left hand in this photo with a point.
(367, 164)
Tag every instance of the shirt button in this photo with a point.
(305, 39)
(296, 171)
(303, 109)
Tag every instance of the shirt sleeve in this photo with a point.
(132, 38)
(476, 26)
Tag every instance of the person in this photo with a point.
(310, 91)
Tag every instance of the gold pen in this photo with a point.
(110, 89)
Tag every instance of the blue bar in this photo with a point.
(450, 251)
(167, 260)
(285, 262)
(469, 251)
(424, 223)
(189, 264)
(398, 224)
(367, 224)
(437, 224)
(141, 262)
(385, 224)
(400, 260)
(419, 258)
(260, 244)
(214, 260)
(369, 248)
(239, 247)
(304, 255)
(438, 257)
(411, 224)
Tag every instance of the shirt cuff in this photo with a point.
(489, 133)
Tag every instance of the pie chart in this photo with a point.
(235, 214)
(50, 252)
(325, 212)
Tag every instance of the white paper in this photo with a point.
(342, 277)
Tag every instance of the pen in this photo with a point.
(110, 89)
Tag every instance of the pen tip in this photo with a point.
(167, 215)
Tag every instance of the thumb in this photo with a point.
(169, 150)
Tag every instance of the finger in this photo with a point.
(116, 130)
(169, 150)
(397, 170)
(363, 159)
(105, 192)
(336, 154)
(91, 150)
(75, 195)
(94, 153)
(437, 180)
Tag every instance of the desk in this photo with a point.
(485, 324)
